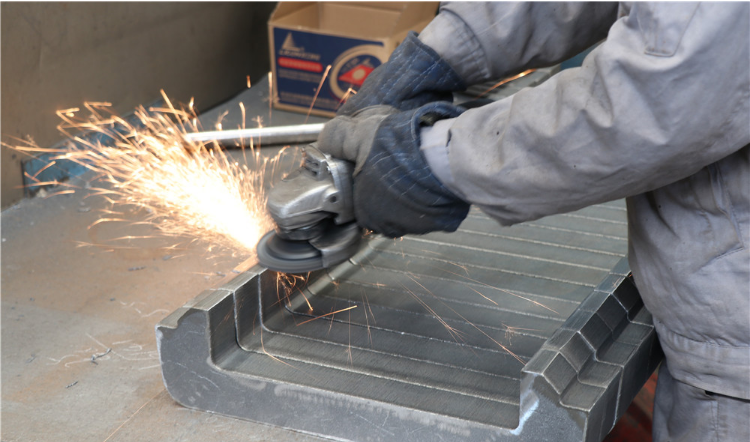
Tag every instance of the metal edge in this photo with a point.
(208, 322)
(578, 381)
(593, 339)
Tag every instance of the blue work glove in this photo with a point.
(413, 76)
(395, 192)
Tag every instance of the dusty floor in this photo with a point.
(68, 298)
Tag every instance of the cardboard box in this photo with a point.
(353, 38)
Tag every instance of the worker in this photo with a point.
(658, 113)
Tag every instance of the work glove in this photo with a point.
(413, 76)
(395, 192)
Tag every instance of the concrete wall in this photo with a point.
(58, 55)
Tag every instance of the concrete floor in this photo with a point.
(68, 297)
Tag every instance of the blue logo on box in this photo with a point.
(302, 58)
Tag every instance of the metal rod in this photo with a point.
(300, 133)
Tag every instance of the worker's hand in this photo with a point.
(413, 76)
(352, 137)
(395, 192)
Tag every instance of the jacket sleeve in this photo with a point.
(486, 41)
(666, 95)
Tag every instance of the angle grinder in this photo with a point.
(314, 214)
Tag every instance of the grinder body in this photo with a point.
(314, 214)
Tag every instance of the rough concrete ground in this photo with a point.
(79, 357)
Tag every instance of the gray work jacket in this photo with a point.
(658, 113)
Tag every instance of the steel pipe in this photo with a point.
(300, 133)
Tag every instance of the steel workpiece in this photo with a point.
(533, 332)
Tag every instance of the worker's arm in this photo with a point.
(379, 129)
(485, 41)
(394, 190)
(667, 94)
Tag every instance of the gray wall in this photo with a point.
(58, 55)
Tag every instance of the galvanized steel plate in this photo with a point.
(532, 332)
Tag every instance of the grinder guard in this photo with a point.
(314, 215)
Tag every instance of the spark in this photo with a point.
(221, 117)
(242, 110)
(349, 92)
(442, 321)
(259, 121)
(286, 284)
(70, 112)
(50, 164)
(270, 94)
(189, 189)
(62, 192)
(481, 294)
(504, 291)
(349, 347)
(328, 314)
(317, 91)
(263, 348)
(309, 306)
(330, 323)
(511, 330)
(366, 303)
(454, 332)
(48, 183)
(504, 81)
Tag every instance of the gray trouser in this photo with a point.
(683, 413)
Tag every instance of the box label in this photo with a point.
(301, 60)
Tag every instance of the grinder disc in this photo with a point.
(288, 256)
